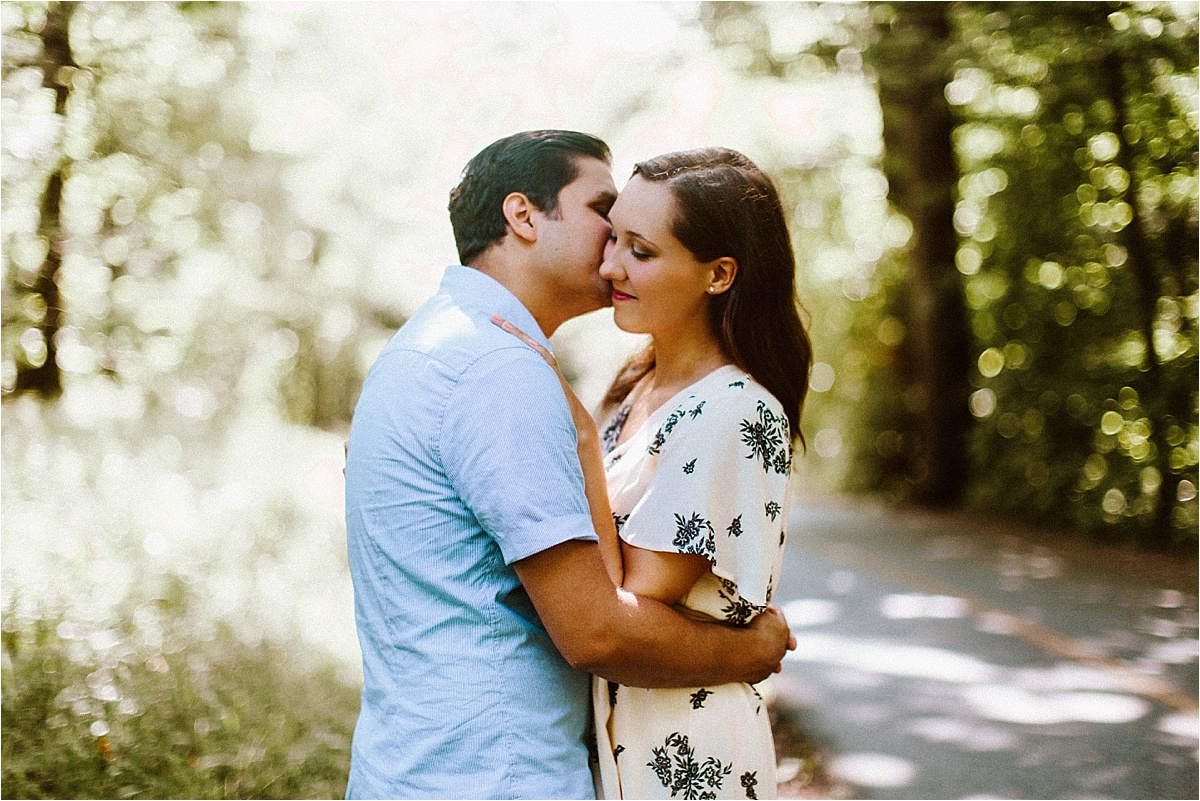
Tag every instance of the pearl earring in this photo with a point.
(711, 290)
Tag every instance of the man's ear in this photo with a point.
(518, 213)
(724, 270)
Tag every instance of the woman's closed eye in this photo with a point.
(633, 251)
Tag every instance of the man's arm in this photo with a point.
(516, 467)
(636, 641)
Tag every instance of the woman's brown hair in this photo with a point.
(726, 206)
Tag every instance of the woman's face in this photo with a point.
(659, 288)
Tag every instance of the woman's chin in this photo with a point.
(625, 324)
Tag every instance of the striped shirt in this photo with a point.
(462, 461)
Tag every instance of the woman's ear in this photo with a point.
(518, 213)
(723, 271)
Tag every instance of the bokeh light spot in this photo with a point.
(822, 377)
(991, 362)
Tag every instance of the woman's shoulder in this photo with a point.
(753, 421)
(734, 391)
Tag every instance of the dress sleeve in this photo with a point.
(720, 489)
(509, 448)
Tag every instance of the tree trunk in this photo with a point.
(1152, 388)
(46, 379)
(912, 64)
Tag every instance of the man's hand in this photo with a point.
(776, 637)
(640, 642)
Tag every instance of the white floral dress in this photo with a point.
(707, 473)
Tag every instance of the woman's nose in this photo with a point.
(608, 267)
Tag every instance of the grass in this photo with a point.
(158, 578)
(94, 714)
(219, 719)
(148, 631)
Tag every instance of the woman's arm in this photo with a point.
(665, 577)
(596, 488)
(603, 628)
(639, 641)
(591, 459)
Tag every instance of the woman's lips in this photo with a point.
(619, 295)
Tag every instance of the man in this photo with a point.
(481, 600)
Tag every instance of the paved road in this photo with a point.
(937, 662)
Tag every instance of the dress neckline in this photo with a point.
(655, 417)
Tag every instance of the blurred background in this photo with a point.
(215, 214)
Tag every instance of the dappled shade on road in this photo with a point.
(942, 678)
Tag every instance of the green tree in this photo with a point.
(911, 55)
(1047, 151)
(37, 310)
(163, 255)
(911, 353)
(1079, 217)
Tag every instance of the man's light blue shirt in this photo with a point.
(462, 461)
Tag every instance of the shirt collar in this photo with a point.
(471, 288)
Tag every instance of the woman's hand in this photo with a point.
(591, 459)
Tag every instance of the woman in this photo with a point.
(695, 454)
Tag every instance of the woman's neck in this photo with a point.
(682, 361)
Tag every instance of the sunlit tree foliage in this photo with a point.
(151, 251)
(168, 250)
(1074, 211)
(893, 332)
(1078, 219)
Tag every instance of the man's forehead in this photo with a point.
(594, 178)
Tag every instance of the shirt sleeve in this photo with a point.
(509, 448)
(720, 489)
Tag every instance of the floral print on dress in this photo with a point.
(608, 438)
(707, 473)
(769, 440)
(738, 611)
(681, 772)
(735, 528)
(660, 436)
(695, 535)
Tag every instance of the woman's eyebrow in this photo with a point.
(636, 235)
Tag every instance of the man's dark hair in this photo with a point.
(538, 164)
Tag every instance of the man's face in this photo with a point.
(573, 239)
